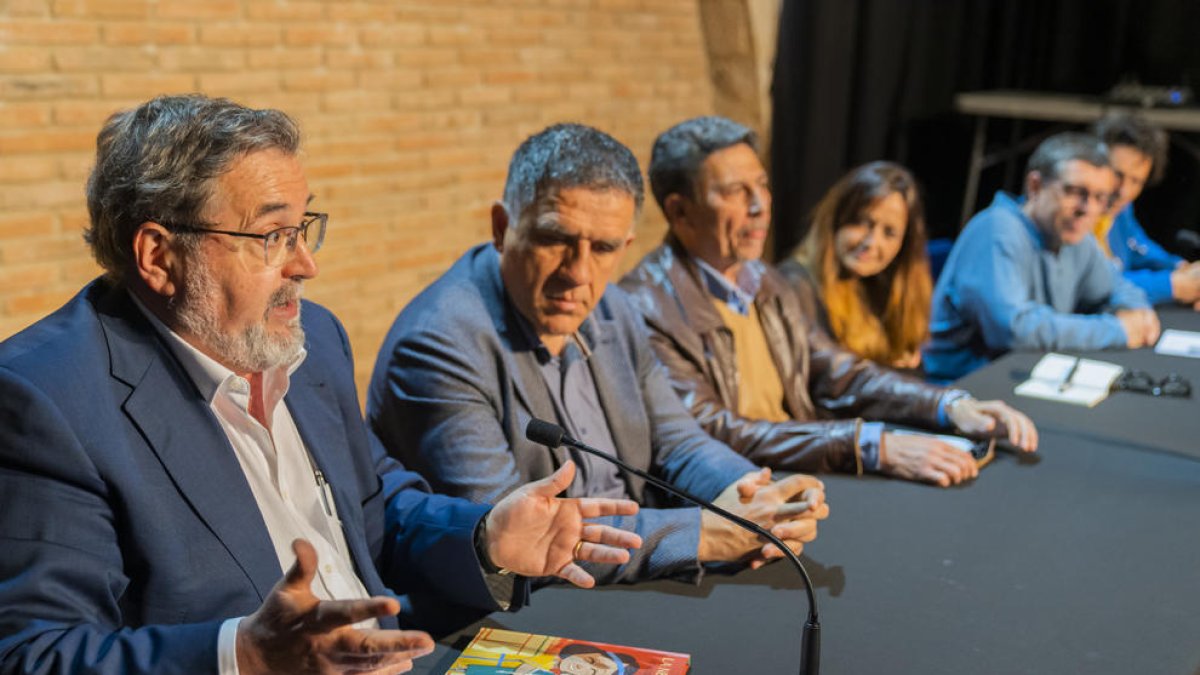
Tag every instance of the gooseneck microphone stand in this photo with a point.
(553, 436)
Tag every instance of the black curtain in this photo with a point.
(860, 80)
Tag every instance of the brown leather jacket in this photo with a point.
(827, 389)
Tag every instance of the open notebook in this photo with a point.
(1058, 377)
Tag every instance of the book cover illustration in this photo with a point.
(506, 652)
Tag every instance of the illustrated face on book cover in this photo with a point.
(497, 651)
(583, 660)
(577, 659)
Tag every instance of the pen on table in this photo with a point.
(1070, 374)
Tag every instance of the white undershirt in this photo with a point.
(280, 473)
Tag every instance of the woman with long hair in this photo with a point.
(863, 267)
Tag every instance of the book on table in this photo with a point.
(1179, 343)
(1070, 379)
(504, 652)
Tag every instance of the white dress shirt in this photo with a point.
(286, 484)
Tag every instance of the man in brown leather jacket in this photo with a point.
(743, 357)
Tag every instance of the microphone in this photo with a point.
(553, 436)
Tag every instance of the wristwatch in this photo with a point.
(480, 540)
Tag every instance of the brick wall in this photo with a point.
(410, 110)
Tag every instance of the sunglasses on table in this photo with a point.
(1144, 383)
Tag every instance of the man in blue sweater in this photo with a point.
(1027, 274)
(1138, 152)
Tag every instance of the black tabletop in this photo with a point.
(1080, 559)
(1128, 418)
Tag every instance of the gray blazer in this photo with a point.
(457, 380)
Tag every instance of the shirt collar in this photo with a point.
(739, 297)
(207, 374)
(1016, 205)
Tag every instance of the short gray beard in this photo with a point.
(254, 349)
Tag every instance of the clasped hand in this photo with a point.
(788, 508)
(982, 419)
(1141, 327)
(926, 458)
(1185, 284)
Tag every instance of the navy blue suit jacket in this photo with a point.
(128, 531)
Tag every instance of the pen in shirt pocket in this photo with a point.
(323, 488)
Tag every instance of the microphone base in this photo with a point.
(810, 655)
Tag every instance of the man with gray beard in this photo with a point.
(186, 482)
(253, 349)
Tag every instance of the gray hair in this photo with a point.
(1138, 133)
(679, 152)
(567, 156)
(1049, 157)
(158, 162)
